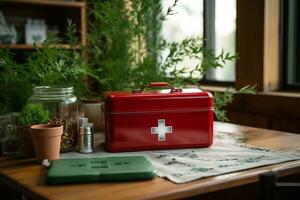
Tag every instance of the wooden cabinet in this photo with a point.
(54, 12)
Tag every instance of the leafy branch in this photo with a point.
(170, 11)
(128, 51)
(46, 65)
(222, 99)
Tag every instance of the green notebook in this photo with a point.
(78, 170)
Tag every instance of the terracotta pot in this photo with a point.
(27, 143)
(92, 109)
(46, 140)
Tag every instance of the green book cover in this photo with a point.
(78, 170)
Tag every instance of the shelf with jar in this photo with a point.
(24, 22)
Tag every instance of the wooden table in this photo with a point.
(28, 178)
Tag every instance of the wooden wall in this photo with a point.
(258, 46)
(266, 111)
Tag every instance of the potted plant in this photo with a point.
(43, 66)
(30, 115)
(39, 137)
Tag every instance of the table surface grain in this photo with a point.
(27, 177)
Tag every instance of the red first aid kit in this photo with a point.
(158, 119)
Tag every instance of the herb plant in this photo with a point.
(60, 66)
(15, 85)
(46, 65)
(126, 48)
(124, 53)
(33, 114)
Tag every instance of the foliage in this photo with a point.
(60, 66)
(33, 114)
(222, 99)
(124, 53)
(46, 65)
(15, 85)
(109, 42)
(126, 49)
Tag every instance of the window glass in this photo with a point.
(225, 29)
(186, 22)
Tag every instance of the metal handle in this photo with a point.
(158, 84)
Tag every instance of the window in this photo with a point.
(290, 44)
(187, 22)
(224, 36)
(212, 19)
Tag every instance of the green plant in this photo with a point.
(126, 50)
(124, 53)
(60, 66)
(46, 65)
(222, 99)
(15, 83)
(33, 114)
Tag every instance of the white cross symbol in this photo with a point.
(161, 130)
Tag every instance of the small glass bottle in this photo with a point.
(62, 105)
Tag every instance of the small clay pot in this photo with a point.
(26, 140)
(46, 139)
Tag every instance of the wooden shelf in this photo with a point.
(78, 4)
(31, 47)
(54, 12)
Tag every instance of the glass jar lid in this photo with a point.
(55, 90)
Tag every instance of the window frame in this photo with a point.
(284, 37)
(257, 43)
(209, 33)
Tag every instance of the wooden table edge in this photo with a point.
(249, 177)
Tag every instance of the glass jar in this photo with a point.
(62, 105)
(10, 142)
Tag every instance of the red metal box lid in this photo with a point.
(158, 101)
